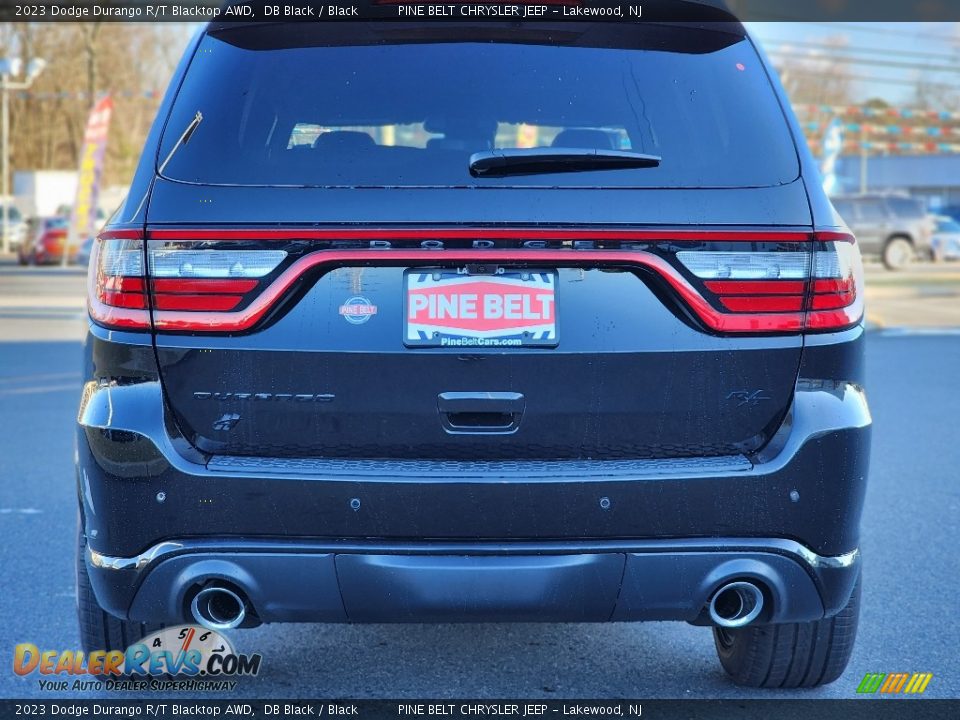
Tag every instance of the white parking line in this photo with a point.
(40, 389)
(38, 377)
(913, 331)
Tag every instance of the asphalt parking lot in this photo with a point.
(924, 297)
(911, 532)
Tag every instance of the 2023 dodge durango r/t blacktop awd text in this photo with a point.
(407, 322)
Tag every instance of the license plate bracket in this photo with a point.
(451, 307)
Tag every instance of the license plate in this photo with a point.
(514, 308)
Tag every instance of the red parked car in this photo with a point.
(45, 243)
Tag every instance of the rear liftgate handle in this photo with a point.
(475, 413)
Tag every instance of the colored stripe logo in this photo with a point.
(894, 683)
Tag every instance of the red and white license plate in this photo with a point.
(514, 308)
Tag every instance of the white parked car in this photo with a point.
(946, 238)
(16, 229)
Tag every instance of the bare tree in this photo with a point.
(90, 33)
(930, 95)
(133, 62)
(819, 77)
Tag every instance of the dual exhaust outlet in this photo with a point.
(736, 604)
(218, 608)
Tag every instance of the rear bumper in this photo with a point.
(371, 541)
(459, 582)
(137, 489)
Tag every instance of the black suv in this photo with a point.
(477, 322)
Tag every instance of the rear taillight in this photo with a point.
(757, 281)
(188, 284)
(754, 282)
(116, 283)
(836, 288)
(777, 291)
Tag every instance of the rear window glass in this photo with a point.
(905, 207)
(412, 113)
(508, 135)
(845, 208)
(872, 210)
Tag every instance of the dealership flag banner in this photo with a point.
(83, 221)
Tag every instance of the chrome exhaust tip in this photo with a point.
(736, 604)
(218, 608)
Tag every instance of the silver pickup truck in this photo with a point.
(896, 228)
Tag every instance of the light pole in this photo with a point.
(9, 68)
(863, 158)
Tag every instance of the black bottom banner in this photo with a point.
(182, 709)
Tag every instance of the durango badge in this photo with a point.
(357, 310)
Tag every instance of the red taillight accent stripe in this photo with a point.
(351, 233)
(830, 302)
(762, 303)
(835, 319)
(117, 283)
(834, 285)
(124, 299)
(834, 236)
(200, 294)
(756, 287)
(121, 318)
(833, 294)
(121, 234)
(202, 285)
(216, 303)
(246, 318)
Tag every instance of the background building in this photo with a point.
(933, 178)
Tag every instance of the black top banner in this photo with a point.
(499, 10)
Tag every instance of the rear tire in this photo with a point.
(790, 655)
(897, 253)
(99, 630)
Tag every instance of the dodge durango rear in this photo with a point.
(477, 322)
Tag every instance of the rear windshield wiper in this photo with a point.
(183, 140)
(534, 161)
